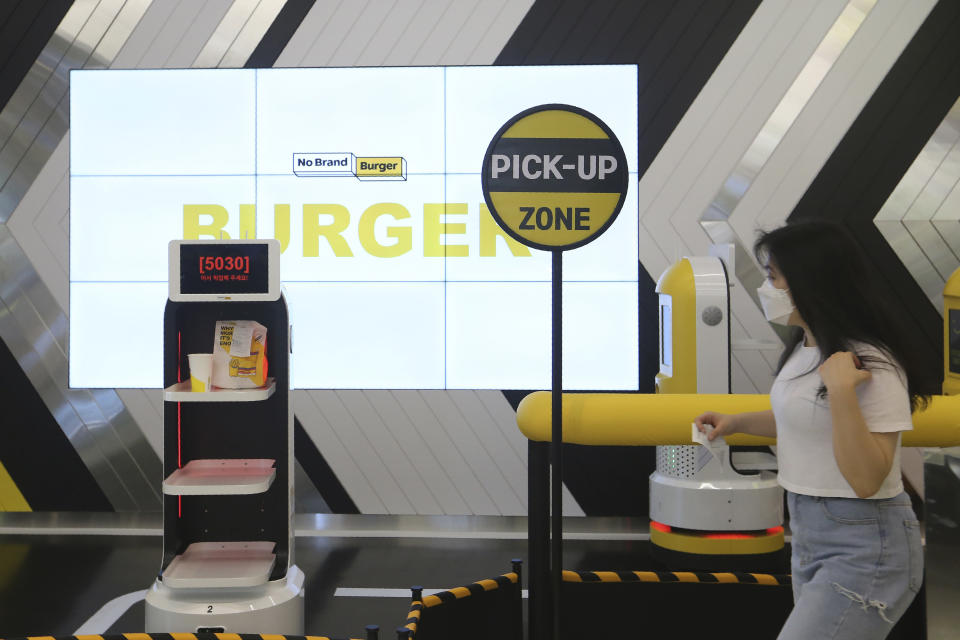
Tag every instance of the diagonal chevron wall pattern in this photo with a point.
(743, 103)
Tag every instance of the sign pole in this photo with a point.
(554, 178)
(538, 525)
(556, 443)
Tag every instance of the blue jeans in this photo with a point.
(857, 565)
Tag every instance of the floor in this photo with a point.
(58, 571)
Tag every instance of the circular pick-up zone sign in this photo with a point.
(554, 177)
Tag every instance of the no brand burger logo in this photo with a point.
(345, 164)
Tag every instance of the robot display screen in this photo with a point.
(955, 340)
(394, 271)
(210, 268)
(666, 334)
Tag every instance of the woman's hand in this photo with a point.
(723, 424)
(842, 371)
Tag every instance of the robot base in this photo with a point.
(727, 543)
(718, 509)
(742, 504)
(273, 608)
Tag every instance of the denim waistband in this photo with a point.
(901, 498)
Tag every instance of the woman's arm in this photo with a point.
(757, 423)
(864, 457)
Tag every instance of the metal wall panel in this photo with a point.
(419, 32)
(500, 477)
(361, 35)
(417, 455)
(437, 452)
(756, 137)
(243, 27)
(166, 39)
(446, 452)
(365, 453)
(103, 434)
(472, 32)
(119, 448)
(376, 50)
(454, 19)
(304, 37)
(332, 34)
(37, 225)
(500, 27)
(921, 218)
(135, 46)
(338, 453)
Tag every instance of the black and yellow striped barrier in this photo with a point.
(616, 603)
(419, 602)
(467, 616)
(413, 618)
(677, 576)
(673, 604)
(473, 589)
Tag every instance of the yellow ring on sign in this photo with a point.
(555, 124)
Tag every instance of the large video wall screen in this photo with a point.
(395, 273)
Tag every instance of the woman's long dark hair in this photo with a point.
(842, 300)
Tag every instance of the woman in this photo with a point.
(845, 388)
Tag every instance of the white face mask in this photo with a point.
(776, 303)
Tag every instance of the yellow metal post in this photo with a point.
(951, 335)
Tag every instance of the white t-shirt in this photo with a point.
(805, 426)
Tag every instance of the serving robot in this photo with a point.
(707, 499)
